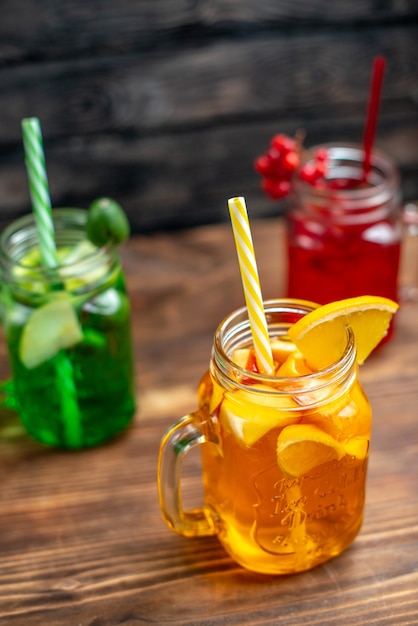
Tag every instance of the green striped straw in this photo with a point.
(41, 206)
(38, 188)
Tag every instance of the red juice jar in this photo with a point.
(344, 233)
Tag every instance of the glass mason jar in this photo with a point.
(284, 459)
(344, 236)
(68, 334)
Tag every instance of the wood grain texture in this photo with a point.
(82, 541)
(165, 110)
(45, 29)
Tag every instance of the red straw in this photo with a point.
(373, 110)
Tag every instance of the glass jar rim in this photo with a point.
(84, 273)
(238, 322)
(23, 231)
(384, 175)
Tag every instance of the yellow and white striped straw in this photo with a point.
(251, 284)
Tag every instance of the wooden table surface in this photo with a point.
(82, 541)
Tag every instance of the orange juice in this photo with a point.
(284, 456)
(287, 479)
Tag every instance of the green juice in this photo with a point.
(69, 341)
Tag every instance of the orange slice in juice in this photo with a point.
(251, 414)
(347, 416)
(282, 348)
(301, 447)
(294, 365)
(357, 447)
(216, 396)
(241, 356)
(321, 336)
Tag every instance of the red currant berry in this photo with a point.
(275, 189)
(274, 155)
(283, 143)
(277, 165)
(308, 173)
(275, 160)
(321, 155)
(262, 165)
(321, 169)
(290, 161)
(283, 187)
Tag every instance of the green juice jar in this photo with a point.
(68, 334)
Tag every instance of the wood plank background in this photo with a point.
(164, 105)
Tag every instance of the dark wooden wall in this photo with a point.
(163, 104)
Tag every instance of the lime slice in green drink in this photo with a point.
(27, 274)
(77, 270)
(50, 328)
(30, 260)
(83, 249)
(106, 222)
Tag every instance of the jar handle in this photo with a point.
(184, 435)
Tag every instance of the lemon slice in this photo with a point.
(301, 447)
(321, 337)
(250, 415)
(50, 328)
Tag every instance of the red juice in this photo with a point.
(329, 262)
(344, 234)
